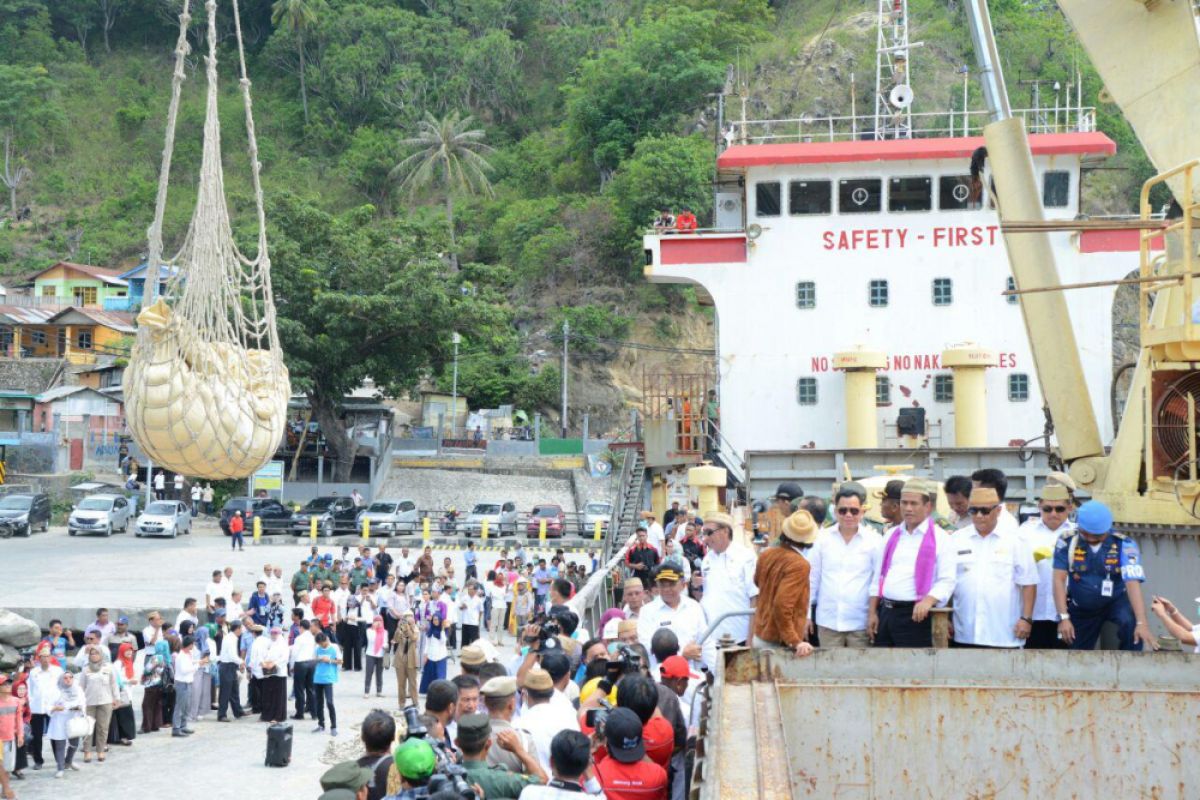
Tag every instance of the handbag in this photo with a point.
(10, 756)
(80, 726)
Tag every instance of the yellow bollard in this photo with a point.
(425, 529)
(257, 530)
(596, 532)
(483, 528)
(366, 529)
(312, 528)
(542, 530)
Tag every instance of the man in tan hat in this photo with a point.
(471, 659)
(542, 718)
(1041, 534)
(672, 609)
(654, 531)
(781, 575)
(406, 658)
(500, 699)
(728, 569)
(634, 595)
(627, 631)
(997, 581)
(916, 573)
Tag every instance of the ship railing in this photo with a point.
(923, 125)
(694, 232)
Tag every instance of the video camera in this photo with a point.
(549, 629)
(626, 661)
(449, 780)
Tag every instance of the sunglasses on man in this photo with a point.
(846, 510)
(1054, 509)
(981, 511)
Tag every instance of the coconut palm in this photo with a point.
(297, 16)
(449, 157)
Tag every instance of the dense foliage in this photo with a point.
(575, 121)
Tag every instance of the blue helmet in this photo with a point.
(1094, 518)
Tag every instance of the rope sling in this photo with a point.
(206, 389)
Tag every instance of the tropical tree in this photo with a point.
(449, 157)
(297, 16)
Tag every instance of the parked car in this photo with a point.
(164, 518)
(275, 516)
(595, 511)
(333, 514)
(501, 519)
(100, 513)
(556, 521)
(22, 514)
(390, 516)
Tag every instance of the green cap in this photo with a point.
(415, 759)
(473, 730)
(339, 794)
(346, 775)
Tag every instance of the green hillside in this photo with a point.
(594, 114)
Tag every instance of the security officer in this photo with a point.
(474, 739)
(348, 776)
(770, 522)
(1098, 577)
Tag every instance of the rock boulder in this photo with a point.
(17, 631)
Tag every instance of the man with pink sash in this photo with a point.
(916, 573)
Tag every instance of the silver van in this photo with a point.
(391, 516)
(501, 519)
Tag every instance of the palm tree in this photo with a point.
(298, 16)
(449, 156)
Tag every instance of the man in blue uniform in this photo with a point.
(1098, 577)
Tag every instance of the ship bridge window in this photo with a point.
(810, 197)
(1018, 387)
(943, 291)
(860, 195)
(767, 201)
(806, 391)
(1056, 189)
(910, 194)
(943, 388)
(877, 294)
(954, 193)
(883, 391)
(806, 294)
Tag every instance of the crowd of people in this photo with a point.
(614, 711)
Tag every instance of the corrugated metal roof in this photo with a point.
(28, 315)
(116, 320)
(111, 276)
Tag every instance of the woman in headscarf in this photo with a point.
(68, 705)
(98, 681)
(153, 671)
(435, 645)
(200, 700)
(276, 611)
(377, 645)
(20, 691)
(124, 726)
(174, 643)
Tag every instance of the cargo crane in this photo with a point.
(1011, 723)
(1147, 53)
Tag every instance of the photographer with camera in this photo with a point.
(474, 739)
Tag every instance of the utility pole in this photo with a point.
(566, 334)
(454, 387)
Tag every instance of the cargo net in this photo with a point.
(206, 390)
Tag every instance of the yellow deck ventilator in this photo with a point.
(206, 390)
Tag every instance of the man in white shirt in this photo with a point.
(995, 479)
(153, 632)
(916, 573)
(160, 485)
(43, 689)
(654, 532)
(229, 671)
(188, 613)
(728, 570)
(216, 588)
(541, 717)
(997, 580)
(302, 658)
(470, 608)
(844, 564)
(672, 609)
(403, 567)
(178, 487)
(1041, 534)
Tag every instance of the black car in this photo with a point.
(334, 515)
(275, 516)
(22, 514)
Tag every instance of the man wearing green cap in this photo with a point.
(415, 761)
(474, 738)
(345, 780)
